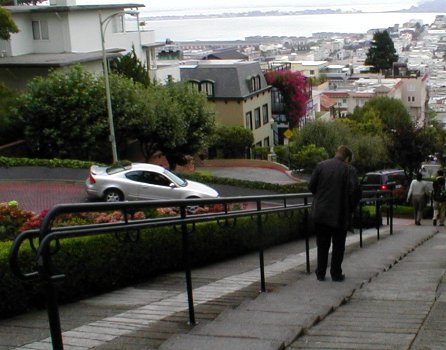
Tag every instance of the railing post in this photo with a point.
(378, 216)
(360, 224)
(307, 235)
(45, 269)
(52, 304)
(391, 213)
(53, 316)
(261, 258)
(186, 261)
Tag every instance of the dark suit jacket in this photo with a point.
(334, 184)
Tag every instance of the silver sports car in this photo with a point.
(140, 181)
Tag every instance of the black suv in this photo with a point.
(387, 179)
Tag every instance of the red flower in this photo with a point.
(293, 88)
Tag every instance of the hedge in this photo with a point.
(98, 264)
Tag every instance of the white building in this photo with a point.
(63, 34)
(411, 91)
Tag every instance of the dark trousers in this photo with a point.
(325, 235)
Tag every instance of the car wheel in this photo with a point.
(113, 195)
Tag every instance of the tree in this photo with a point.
(308, 157)
(61, 114)
(65, 116)
(198, 121)
(382, 53)
(182, 123)
(7, 25)
(326, 134)
(130, 105)
(234, 141)
(391, 113)
(370, 152)
(11, 128)
(292, 86)
(410, 147)
(130, 66)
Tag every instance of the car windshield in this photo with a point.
(176, 179)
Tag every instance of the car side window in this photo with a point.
(135, 176)
(157, 179)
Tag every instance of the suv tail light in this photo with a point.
(383, 187)
(92, 180)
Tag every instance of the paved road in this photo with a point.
(41, 188)
(252, 174)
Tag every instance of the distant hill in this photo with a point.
(429, 6)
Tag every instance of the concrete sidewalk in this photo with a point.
(386, 302)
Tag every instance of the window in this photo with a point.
(257, 120)
(135, 176)
(311, 71)
(248, 120)
(265, 114)
(118, 24)
(194, 85)
(156, 179)
(266, 142)
(207, 87)
(254, 83)
(258, 82)
(413, 98)
(40, 30)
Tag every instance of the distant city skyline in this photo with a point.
(206, 5)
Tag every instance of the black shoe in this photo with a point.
(434, 222)
(441, 224)
(418, 223)
(339, 278)
(320, 277)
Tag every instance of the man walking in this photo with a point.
(335, 187)
(439, 198)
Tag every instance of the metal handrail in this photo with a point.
(45, 271)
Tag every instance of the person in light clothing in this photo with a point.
(417, 193)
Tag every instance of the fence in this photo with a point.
(45, 241)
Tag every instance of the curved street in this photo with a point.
(40, 188)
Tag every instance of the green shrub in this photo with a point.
(101, 263)
(51, 163)
(261, 152)
(298, 187)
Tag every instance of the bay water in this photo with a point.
(238, 28)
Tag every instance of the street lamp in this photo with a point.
(103, 23)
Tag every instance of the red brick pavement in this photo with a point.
(38, 196)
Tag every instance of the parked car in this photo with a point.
(139, 181)
(387, 179)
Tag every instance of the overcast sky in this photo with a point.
(165, 5)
